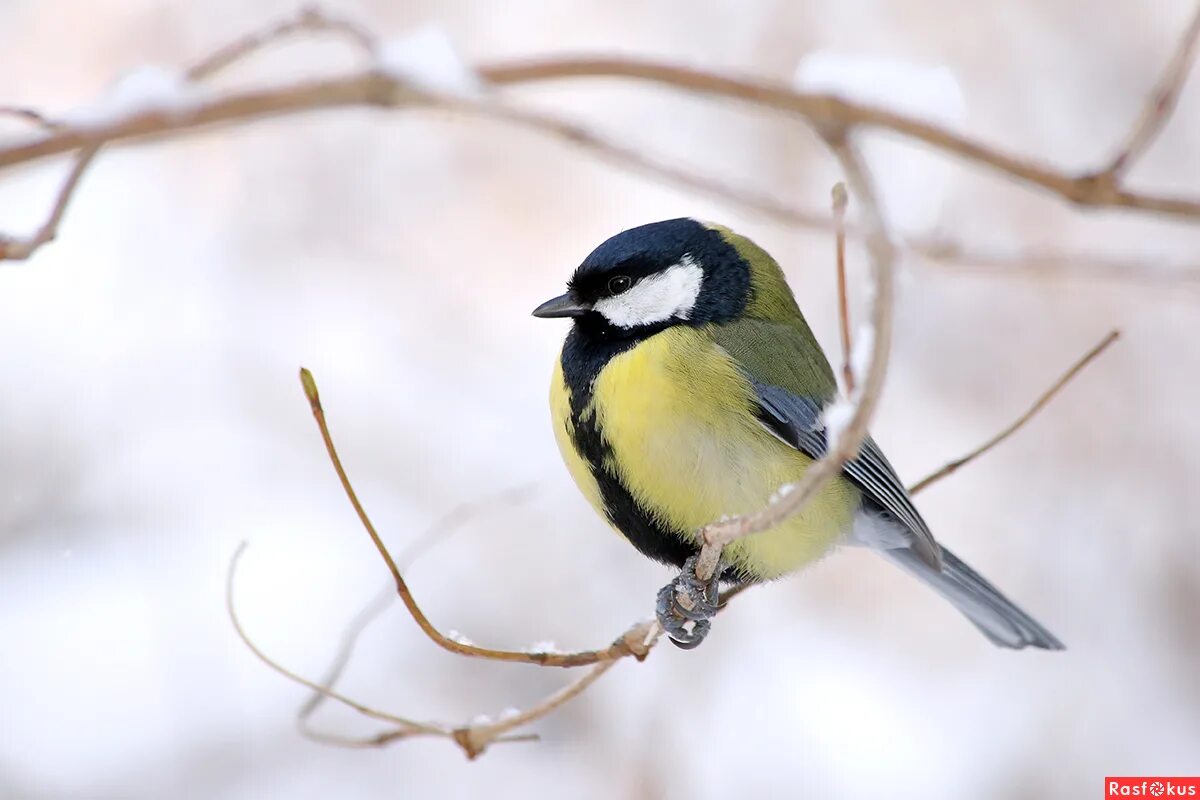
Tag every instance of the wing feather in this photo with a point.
(797, 420)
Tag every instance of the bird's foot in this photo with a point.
(686, 606)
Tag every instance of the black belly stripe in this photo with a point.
(582, 359)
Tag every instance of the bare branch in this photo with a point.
(791, 500)
(824, 112)
(1030, 413)
(21, 249)
(310, 19)
(840, 199)
(626, 645)
(475, 737)
(416, 728)
(333, 673)
(934, 249)
(29, 115)
(1043, 263)
(439, 531)
(827, 112)
(937, 250)
(472, 737)
(1161, 103)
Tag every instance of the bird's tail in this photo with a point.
(979, 601)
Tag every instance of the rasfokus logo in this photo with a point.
(1156, 786)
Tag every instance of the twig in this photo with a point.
(1039, 404)
(473, 737)
(788, 503)
(828, 112)
(350, 636)
(307, 20)
(1047, 263)
(840, 200)
(934, 249)
(623, 646)
(310, 19)
(372, 88)
(1159, 105)
(21, 249)
(29, 115)
(416, 727)
(824, 112)
(438, 532)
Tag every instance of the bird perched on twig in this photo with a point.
(691, 388)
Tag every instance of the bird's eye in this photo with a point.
(619, 284)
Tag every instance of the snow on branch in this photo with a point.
(423, 70)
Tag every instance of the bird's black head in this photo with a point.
(652, 277)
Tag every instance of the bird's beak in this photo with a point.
(565, 305)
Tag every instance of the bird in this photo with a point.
(690, 388)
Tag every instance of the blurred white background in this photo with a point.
(150, 418)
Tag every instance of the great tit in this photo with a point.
(691, 388)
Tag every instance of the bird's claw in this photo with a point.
(688, 601)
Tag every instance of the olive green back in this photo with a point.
(772, 342)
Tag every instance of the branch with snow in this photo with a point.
(423, 70)
(374, 87)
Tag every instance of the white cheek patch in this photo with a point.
(657, 298)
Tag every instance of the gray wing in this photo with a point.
(797, 421)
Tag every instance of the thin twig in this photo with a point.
(622, 647)
(1040, 264)
(456, 519)
(932, 248)
(416, 727)
(375, 89)
(788, 503)
(473, 739)
(479, 734)
(21, 249)
(382, 600)
(29, 115)
(1039, 404)
(310, 19)
(828, 112)
(840, 200)
(1160, 104)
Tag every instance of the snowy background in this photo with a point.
(150, 419)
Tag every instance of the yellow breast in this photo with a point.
(679, 418)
